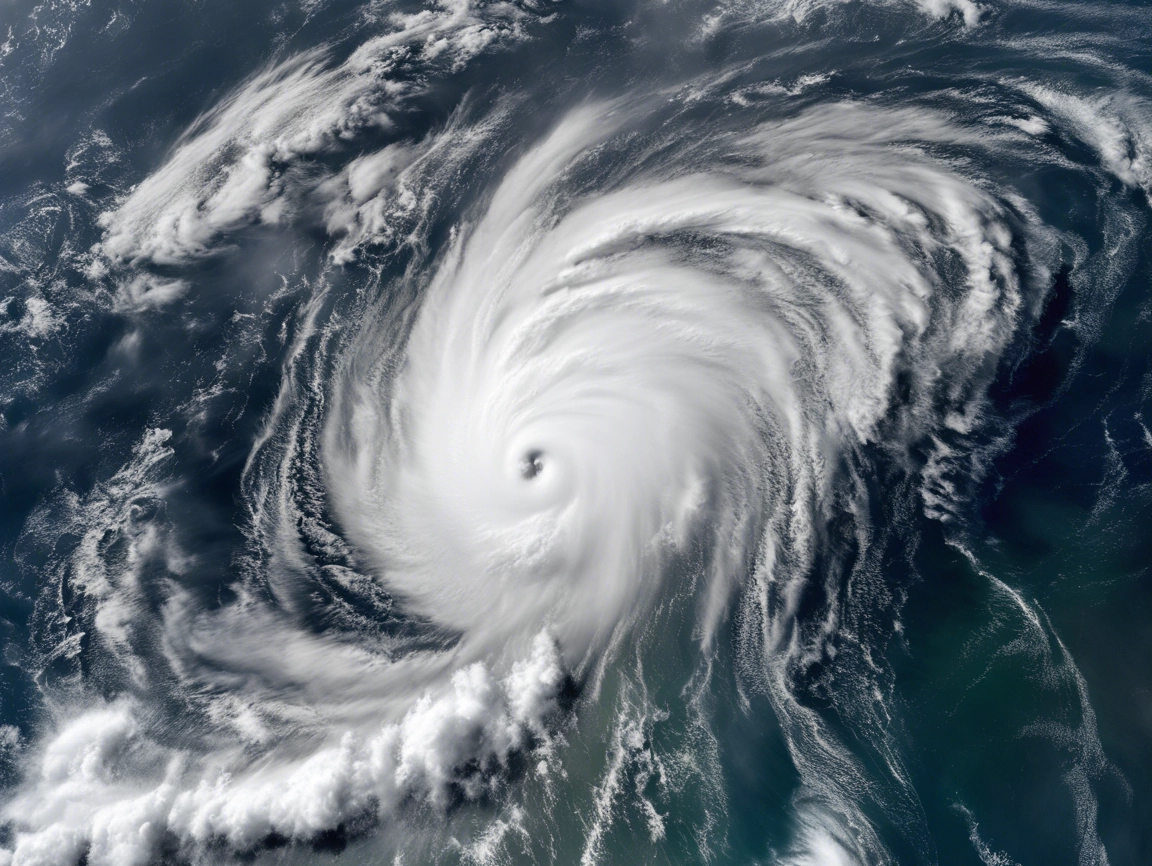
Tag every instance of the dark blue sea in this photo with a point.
(579, 432)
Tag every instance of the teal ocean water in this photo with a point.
(541, 432)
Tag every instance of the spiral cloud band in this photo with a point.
(592, 413)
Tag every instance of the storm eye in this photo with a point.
(532, 464)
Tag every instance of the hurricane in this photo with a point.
(534, 432)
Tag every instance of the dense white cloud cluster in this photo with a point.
(101, 788)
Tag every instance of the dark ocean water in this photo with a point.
(576, 432)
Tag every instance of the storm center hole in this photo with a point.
(532, 464)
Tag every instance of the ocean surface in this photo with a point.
(596, 432)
